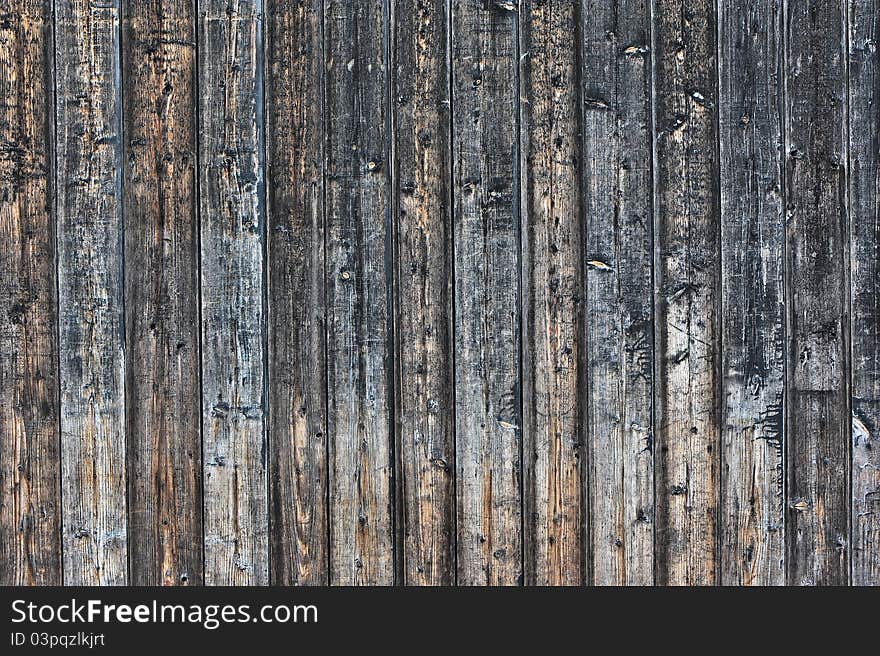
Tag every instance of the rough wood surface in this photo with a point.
(686, 290)
(359, 292)
(618, 265)
(818, 422)
(436, 292)
(294, 125)
(30, 503)
(864, 209)
(487, 299)
(90, 279)
(231, 238)
(425, 412)
(162, 294)
(553, 342)
(753, 320)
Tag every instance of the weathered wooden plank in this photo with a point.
(818, 423)
(487, 304)
(425, 413)
(161, 294)
(231, 237)
(753, 321)
(686, 280)
(618, 256)
(296, 268)
(864, 199)
(865, 493)
(30, 504)
(90, 280)
(552, 319)
(359, 292)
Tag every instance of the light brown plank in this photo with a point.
(553, 340)
(30, 503)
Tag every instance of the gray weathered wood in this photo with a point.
(161, 294)
(753, 321)
(425, 413)
(487, 300)
(818, 423)
(552, 319)
(90, 279)
(865, 493)
(359, 302)
(439, 291)
(297, 306)
(231, 238)
(686, 288)
(864, 199)
(30, 503)
(618, 265)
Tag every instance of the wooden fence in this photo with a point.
(439, 292)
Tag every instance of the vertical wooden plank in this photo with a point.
(865, 493)
(424, 414)
(231, 227)
(753, 321)
(30, 505)
(296, 264)
(90, 280)
(818, 422)
(687, 255)
(552, 295)
(864, 198)
(358, 276)
(618, 255)
(487, 304)
(161, 294)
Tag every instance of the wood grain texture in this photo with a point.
(437, 292)
(425, 412)
(30, 503)
(359, 287)
(618, 271)
(231, 239)
(753, 322)
(161, 294)
(687, 295)
(818, 422)
(864, 211)
(553, 296)
(88, 123)
(294, 125)
(487, 292)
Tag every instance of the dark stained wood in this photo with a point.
(753, 321)
(30, 503)
(294, 126)
(90, 287)
(359, 292)
(231, 237)
(618, 265)
(818, 422)
(687, 295)
(864, 204)
(161, 294)
(425, 412)
(487, 300)
(553, 343)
